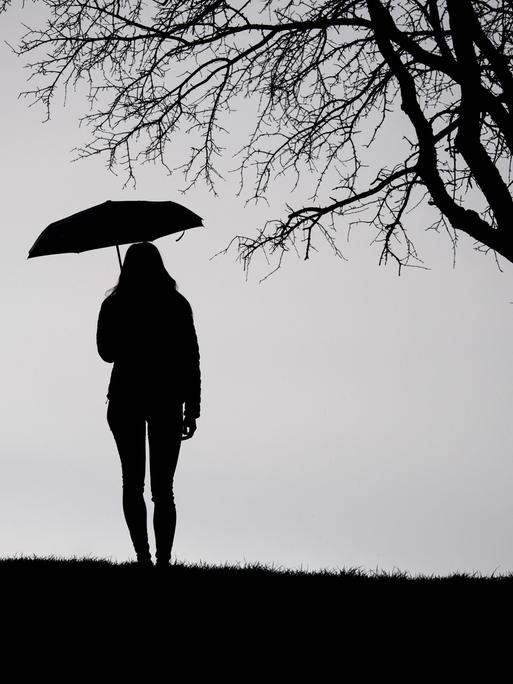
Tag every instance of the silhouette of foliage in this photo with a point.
(330, 79)
(246, 572)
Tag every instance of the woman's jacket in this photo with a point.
(153, 345)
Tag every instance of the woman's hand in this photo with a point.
(188, 428)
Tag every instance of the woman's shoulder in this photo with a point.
(109, 301)
(182, 302)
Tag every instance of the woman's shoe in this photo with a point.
(144, 561)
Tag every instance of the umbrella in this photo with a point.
(114, 223)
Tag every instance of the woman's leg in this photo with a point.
(128, 426)
(164, 437)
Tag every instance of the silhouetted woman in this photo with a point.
(146, 328)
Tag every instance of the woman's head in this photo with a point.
(143, 272)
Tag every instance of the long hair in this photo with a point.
(143, 274)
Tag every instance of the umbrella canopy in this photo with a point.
(113, 223)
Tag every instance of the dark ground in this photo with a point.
(240, 621)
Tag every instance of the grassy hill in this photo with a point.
(258, 617)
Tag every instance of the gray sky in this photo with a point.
(350, 417)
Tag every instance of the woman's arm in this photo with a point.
(193, 380)
(106, 332)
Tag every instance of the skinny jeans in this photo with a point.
(128, 419)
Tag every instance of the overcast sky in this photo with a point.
(350, 417)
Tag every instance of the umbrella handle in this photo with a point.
(119, 257)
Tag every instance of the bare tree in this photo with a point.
(329, 77)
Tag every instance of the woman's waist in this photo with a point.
(147, 366)
(146, 374)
